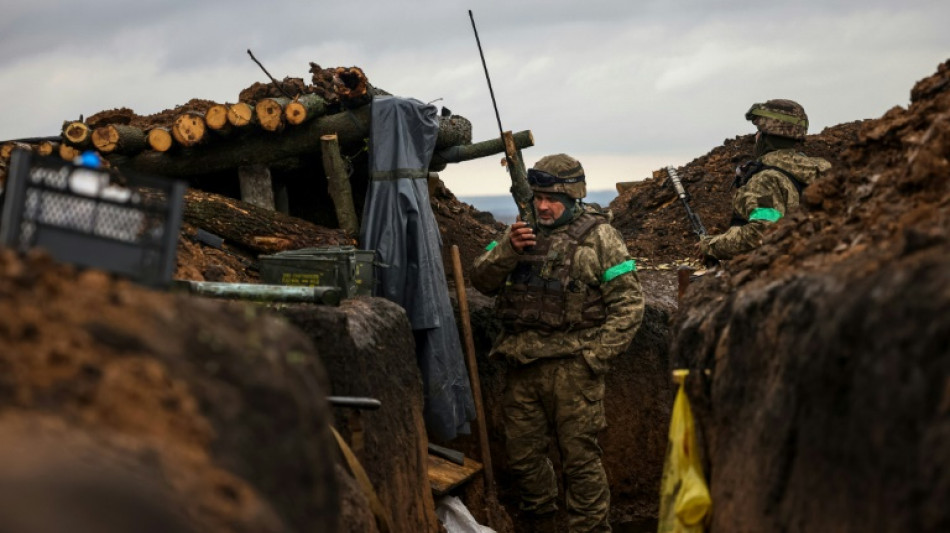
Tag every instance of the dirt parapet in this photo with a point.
(829, 352)
(217, 404)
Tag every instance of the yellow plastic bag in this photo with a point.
(684, 495)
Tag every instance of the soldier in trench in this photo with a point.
(769, 186)
(569, 300)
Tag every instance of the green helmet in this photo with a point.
(783, 118)
(558, 173)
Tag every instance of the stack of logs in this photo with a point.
(275, 125)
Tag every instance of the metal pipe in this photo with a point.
(261, 292)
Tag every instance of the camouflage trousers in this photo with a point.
(564, 399)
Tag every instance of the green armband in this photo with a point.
(491, 246)
(617, 270)
(765, 213)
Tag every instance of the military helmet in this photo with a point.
(783, 118)
(558, 173)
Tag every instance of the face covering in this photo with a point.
(765, 143)
(572, 208)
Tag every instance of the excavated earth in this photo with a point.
(825, 407)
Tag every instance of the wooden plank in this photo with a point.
(445, 475)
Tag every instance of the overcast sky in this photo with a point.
(625, 86)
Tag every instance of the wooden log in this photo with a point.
(303, 108)
(256, 186)
(216, 118)
(160, 139)
(241, 114)
(7, 148)
(47, 148)
(351, 128)
(270, 113)
(253, 228)
(78, 134)
(119, 139)
(338, 183)
(189, 128)
(468, 152)
(68, 153)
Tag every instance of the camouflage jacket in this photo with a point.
(602, 249)
(767, 197)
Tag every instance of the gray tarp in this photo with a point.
(398, 223)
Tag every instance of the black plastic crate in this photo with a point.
(123, 223)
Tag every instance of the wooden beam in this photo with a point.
(118, 138)
(189, 128)
(270, 113)
(351, 128)
(241, 115)
(77, 134)
(303, 108)
(468, 152)
(160, 139)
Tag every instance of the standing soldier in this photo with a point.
(569, 300)
(769, 186)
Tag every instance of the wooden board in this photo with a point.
(445, 475)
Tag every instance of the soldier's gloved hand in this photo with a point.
(521, 236)
(703, 250)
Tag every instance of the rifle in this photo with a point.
(698, 227)
(520, 189)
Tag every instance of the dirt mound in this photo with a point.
(192, 395)
(653, 220)
(826, 408)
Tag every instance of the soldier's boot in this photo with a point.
(541, 523)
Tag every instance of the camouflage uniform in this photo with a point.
(555, 379)
(772, 186)
(766, 198)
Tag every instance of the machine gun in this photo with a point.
(520, 189)
(698, 227)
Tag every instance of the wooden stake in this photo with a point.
(338, 184)
(473, 372)
(682, 277)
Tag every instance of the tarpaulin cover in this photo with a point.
(398, 223)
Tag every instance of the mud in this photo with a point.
(217, 403)
(826, 408)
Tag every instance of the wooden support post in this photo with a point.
(256, 186)
(339, 185)
(281, 197)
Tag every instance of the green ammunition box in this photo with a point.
(344, 267)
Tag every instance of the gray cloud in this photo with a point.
(611, 78)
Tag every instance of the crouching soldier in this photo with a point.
(768, 187)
